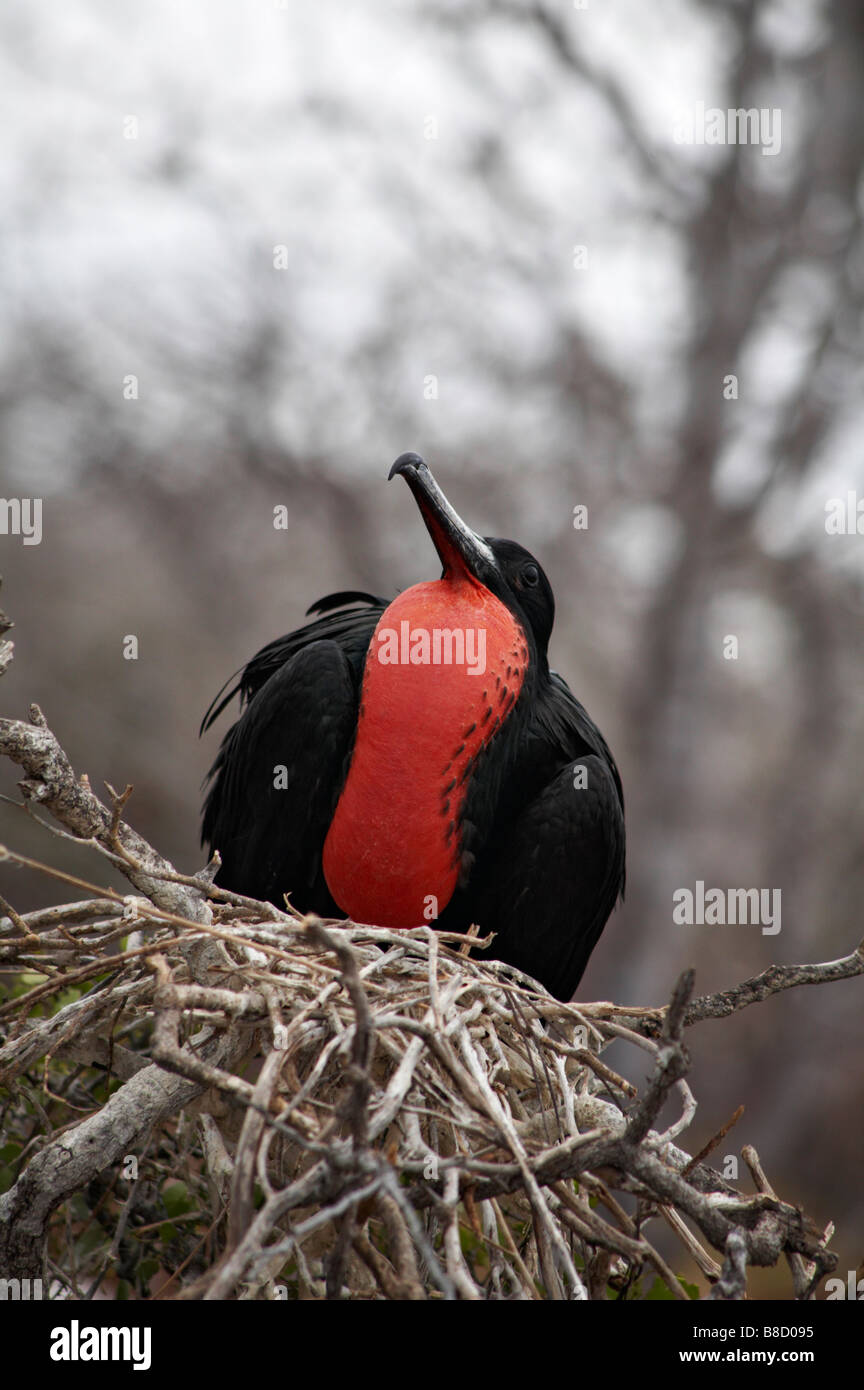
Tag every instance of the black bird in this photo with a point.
(417, 760)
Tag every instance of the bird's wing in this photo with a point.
(281, 767)
(557, 872)
(351, 628)
(565, 724)
(552, 871)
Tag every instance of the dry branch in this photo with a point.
(365, 1113)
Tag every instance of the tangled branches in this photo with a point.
(355, 1112)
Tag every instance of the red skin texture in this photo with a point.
(394, 840)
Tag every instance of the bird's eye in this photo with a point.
(530, 576)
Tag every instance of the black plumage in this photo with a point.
(542, 824)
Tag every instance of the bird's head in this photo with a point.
(505, 568)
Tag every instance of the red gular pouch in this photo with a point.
(443, 672)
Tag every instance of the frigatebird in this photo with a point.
(415, 760)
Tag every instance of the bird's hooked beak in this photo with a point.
(460, 549)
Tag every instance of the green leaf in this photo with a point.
(176, 1199)
(91, 1239)
(147, 1269)
(659, 1292)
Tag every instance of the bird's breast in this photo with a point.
(442, 674)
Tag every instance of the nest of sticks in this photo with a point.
(252, 1103)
